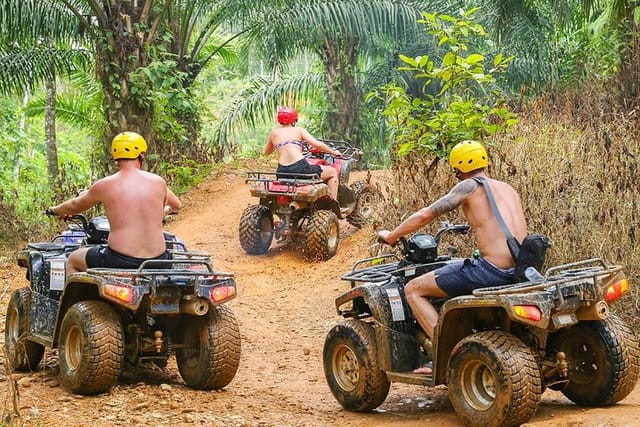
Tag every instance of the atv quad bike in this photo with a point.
(102, 319)
(496, 350)
(303, 207)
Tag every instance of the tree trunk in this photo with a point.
(121, 51)
(50, 133)
(17, 153)
(339, 58)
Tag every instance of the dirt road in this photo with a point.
(284, 309)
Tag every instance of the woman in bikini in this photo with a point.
(289, 140)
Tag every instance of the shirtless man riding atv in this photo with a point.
(135, 202)
(289, 141)
(495, 264)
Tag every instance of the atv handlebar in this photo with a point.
(446, 227)
(347, 150)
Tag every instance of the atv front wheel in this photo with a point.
(91, 349)
(603, 361)
(366, 197)
(494, 380)
(351, 366)
(210, 354)
(256, 229)
(323, 234)
(23, 355)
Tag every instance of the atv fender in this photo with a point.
(328, 204)
(79, 287)
(396, 344)
(464, 315)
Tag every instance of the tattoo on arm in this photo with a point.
(454, 198)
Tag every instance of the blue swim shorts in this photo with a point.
(462, 278)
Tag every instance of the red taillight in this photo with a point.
(283, 200)
(222, 293)
(119, 292)
(616, 290)
(529, 312)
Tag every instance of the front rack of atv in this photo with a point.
(379, 269)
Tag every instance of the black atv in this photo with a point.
(496, 350)
(102, 319)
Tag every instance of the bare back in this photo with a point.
(134, 201)
(490, 237)
(282, 139)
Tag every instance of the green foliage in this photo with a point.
(184, 174)
(458, 101)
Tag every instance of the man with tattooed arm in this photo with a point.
(494, 266)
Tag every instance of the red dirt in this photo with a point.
(284, 309)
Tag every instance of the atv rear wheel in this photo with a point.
(256, 229)
(91, 349)
(323, 234)
(366, 197)
(210, 354)
(603, 361)
(351, 366)
(23, 355)
(494, 380)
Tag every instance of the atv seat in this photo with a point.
(50, 246)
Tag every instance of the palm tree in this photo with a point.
(343, 35)
(124, 39)
(539, 32)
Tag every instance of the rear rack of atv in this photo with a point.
(264, 182)
(555, 277)
(190, 264)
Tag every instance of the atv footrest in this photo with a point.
(410, 378)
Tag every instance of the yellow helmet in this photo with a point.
(128, 145)
(467, 156)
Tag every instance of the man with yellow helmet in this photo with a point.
(135, 202)
(495, 266)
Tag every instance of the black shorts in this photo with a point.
(464, 277)
(105, 257)
(299, 167)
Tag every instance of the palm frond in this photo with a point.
(258, 102)
(26, 68)
(37, 19)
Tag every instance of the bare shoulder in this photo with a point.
(152, 176)
(465, 187)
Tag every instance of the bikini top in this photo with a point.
(300, 144)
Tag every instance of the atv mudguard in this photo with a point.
(394, 327)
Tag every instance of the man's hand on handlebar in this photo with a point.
(51, 212)
(382, 236)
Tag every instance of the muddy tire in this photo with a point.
(24, 355)
(210, 354)
(366, 197)
(351, 367)
(256, 229)
(91, 348)
(323, 235)
(494, 380)
(603, 359)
